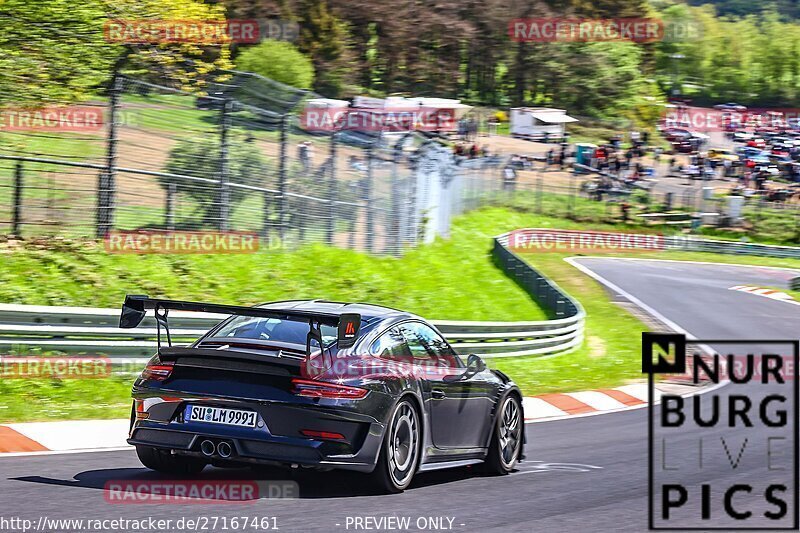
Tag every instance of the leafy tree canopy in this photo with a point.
(57, 50)
(280, 61)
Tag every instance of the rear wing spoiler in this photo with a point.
(135, 308)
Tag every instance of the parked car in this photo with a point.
(721, 154)
(746, 152)
(793, 123)
(730, 106)
(676, 134)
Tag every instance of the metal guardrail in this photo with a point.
(692, 244)
(95, 331)
(794, 284)
(75, 330)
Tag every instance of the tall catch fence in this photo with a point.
(236, 158)
(239, 158)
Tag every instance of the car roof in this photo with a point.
(368, 312)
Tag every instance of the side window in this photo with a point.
(427, 345)
(391, 345)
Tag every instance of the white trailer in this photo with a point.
(539, 123)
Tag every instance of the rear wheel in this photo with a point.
(400, 451)
(166, 463)
(506, 442)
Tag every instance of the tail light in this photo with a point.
(321, 389)
(323, 435)
(157, 372)
(141, 413)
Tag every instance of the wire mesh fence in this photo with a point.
(239, 158)
(236, 158)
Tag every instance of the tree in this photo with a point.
(58, 51)
(324, 38)
(280, 61)
(200, 157)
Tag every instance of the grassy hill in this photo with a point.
(453, 279)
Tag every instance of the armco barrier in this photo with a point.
(692, 244)
(76, 330)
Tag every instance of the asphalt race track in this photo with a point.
(582, 474)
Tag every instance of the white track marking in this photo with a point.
(597, 400)
(767, 293)
(538, 408)
(76, 435)
(763, 267)
(66, 452)
(637, 390)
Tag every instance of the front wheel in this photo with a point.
(400, 451)
(504, 450)
(166, 463)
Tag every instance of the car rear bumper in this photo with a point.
(276, 440)
(307, 453)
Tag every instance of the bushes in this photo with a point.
(201, 158)
(280, 61)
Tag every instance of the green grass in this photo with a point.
(68, 399)
(452, 279)
(449, 279)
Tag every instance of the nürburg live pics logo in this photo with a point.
(723, 439)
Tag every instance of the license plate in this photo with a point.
(218, 415)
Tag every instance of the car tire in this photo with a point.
(162, 461)
(507, 436)
(400, 451)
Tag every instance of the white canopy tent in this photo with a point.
(539, 122)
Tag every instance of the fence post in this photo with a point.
(224, 193)
(571, 199)
(106, 186)
(757, 218)
(332, 192)
(169, 219)
(16, 220)
(282, 175)
(796, 226)
(393, 237)
(368, 199)
(538, 193)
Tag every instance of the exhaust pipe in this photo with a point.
(207, 447)
(224, 450)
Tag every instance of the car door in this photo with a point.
(459, 409)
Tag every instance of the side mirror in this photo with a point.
(475, 364)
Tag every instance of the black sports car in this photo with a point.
(319, 384)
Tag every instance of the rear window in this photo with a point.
(273, 329)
